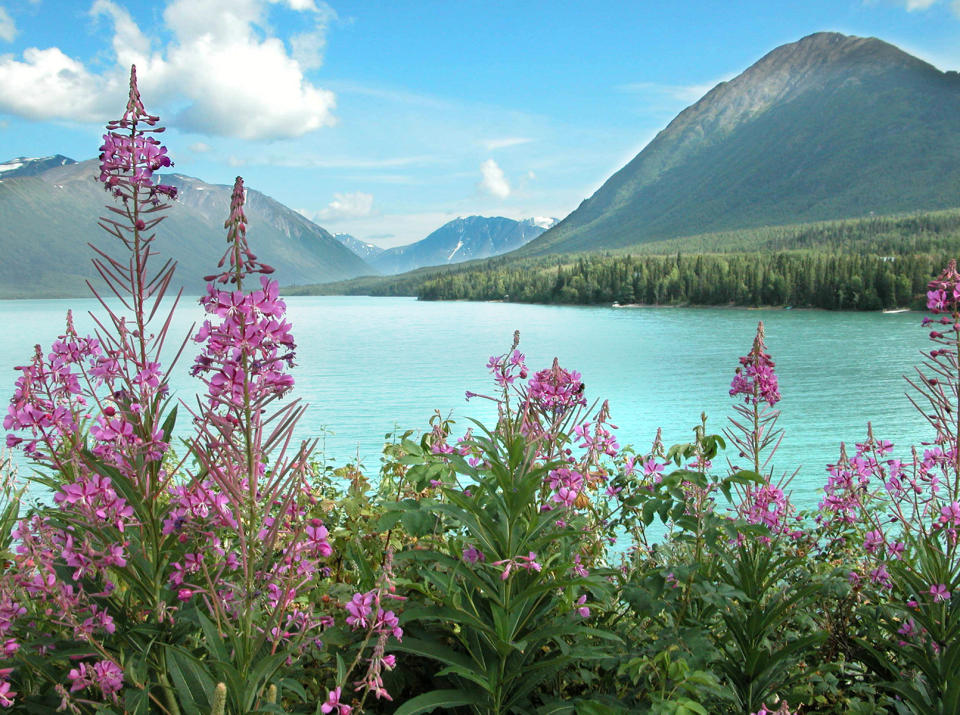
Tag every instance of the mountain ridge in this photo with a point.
(58, 209)
(826, 97)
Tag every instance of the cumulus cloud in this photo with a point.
(222, 70)
(8, 30)
(199, 148)
(494, 182)
(919, 4)
(348, 206)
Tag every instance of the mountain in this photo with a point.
(23, 166)
(828, 127)
(50, 217)
(462, 239)
(361, 248)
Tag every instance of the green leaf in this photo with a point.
(213, 640)
(168, 424)
(194, 686)
(428, 702)
(745, 476)
(418, 523)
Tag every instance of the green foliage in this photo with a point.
(766, 599)
(917, 651)
(505, 625)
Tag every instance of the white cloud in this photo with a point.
(223, 72)
(298, 5)
(199, 148)
(915, 5)
(347, 207)
(8, 29)
(307, 47)
(680, 92)
(492, 144)
(494, 182)
(326, 162)
(48, 84)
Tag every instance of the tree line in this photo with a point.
(803, 279)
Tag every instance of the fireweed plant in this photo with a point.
(903, 514)
(148, 581)
(509, 590)
(514, 569)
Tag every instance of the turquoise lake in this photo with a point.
(368, 365)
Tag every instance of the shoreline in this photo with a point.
(634, 306)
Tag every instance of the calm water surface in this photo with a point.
(368, 365)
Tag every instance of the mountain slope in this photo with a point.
(462, 239)
(827, 127)
(49, 218)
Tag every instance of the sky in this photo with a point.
(387, 119)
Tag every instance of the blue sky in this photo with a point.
(387, 119)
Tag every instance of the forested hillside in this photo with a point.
(861, 264)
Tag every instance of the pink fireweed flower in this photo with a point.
(950, 514)
(472, 555)
(755, 378)
(6, 694)
(521, 562)
(881, 577)
(129, 161)
(766, 505)
(317, 538)
(251, 331)
(388, 623)
(582, 610)
(873, 541)
(944, 290)
(333, 705)
(508, 368)
(109, 676)
(359, 608)
(529, 562)
(939, 592)
(578, 568)
(555, 390)
(106, 675)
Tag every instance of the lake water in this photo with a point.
(368, 365)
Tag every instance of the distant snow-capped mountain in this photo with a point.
(361, 248)
(25, 166)
(463, 239)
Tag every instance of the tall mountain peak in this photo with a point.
(824, 127)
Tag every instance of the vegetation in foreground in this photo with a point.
(476, 575)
